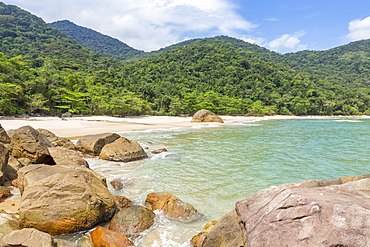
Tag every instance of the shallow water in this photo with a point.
(212, 168)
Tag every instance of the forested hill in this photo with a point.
(23, 33)
(348, 64)
(96, 41)
(45, 71)
(216, 75)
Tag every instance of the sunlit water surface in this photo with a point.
(212, 168)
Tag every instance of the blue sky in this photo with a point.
(282, 26)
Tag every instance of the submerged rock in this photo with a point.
(206, 116)
(93, 144)
(172, 206)
(123, 150)
(132, 220)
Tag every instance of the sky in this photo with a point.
(278, 25)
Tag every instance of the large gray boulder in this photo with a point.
(60, 200)
(308, 213)
(29, 143)
(206, 116)
(92, 144)
(123, 150)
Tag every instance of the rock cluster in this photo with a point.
(60, 194)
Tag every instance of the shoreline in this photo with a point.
(76, 127)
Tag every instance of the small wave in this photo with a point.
(348, 120)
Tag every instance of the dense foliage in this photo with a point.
(45, 71)
(96, 41)
(214, 75)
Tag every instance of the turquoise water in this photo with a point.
(212, 168)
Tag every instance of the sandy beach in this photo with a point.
(80, 126)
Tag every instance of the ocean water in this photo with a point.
(213, 167)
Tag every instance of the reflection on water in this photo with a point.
(212, 168)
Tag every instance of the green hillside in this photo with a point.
(28, 35)
(44, 71)
(96, 41)
(215, 75)
(347, 64)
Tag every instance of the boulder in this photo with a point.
(198, 239)
(4, 138)
(56, 140)
(92, 144)
(66, 115)
(122, 202)
(104, 237)
(66, 156)
(309, 213)
(12, 168)
(122, 183)
(61, 200)
(158, 151)
(4, 193)
(132, 220)
(123, 150)
(28, 237)
(206, 116)
(172, 206)
(4, 156)
(8, 224)
(29, 143)
(225, 233)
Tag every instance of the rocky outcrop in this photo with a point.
(206, 116)
(104, 237)
(28, 237)
(56, 140)
(29, 143)
(123, 150)
(66, 156)
(92, 144)
(172, 206)
(132, 220)
(60, 200)
(4, 156)
(309, 213)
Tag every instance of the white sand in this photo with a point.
(80, 126)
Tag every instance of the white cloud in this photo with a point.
(359, 29)
(288, 43)
(145, 24)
